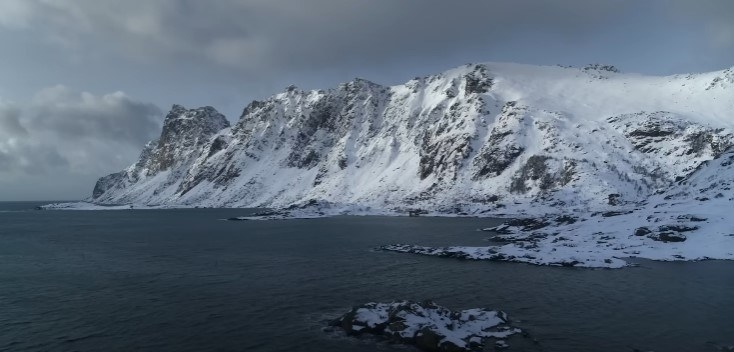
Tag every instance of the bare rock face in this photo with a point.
(184, 131)
(502, 147)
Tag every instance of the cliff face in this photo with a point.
(184, 134)
(476, 138)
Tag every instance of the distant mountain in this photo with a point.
(481, 138)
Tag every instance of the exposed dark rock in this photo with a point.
(417, 212)
(501, 149)
(527, 224)
(183, 130)
(566, 219)
(107, 183)
(607, 214)
(667, 237)
(428, 340)
(534, 169)
(218, 144)
(613, 199)
(693, 218)
(601, 67)
(267, 214)
(569, 263)
(443, 157)
(254, 105)
(495, 160)
(642, 231)
(651, 132)
(478, 81)
(677, 228)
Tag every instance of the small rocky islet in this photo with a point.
(431, 327)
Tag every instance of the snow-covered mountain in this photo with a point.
(481, 138)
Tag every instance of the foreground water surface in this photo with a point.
(184, 280)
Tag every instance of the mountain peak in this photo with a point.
(600, 67)
(205, 115)
(184, 132)
(178, 108)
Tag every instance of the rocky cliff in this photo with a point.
(481, 138)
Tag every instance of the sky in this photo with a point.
(85, 83)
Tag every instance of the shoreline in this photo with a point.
(587, 240)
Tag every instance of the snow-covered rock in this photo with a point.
(478, 139)
(428, 326)
(163, 163)
(690, 221)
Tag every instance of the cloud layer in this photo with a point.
(62, 137)
(267, 34)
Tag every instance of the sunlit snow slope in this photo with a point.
(479, 138)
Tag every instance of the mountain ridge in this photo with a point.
(477, 139)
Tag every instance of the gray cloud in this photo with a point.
(10, 121)
(716, 16)
(262, 38)
(112, 117)
(250, 35)
(62, 136)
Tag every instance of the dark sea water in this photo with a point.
(183, 280)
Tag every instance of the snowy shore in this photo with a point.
(668, 232)
(602, 240)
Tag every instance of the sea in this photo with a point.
(189, 280)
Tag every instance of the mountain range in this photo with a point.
(478, 139)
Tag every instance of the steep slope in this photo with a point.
(479, 138)
(163, 162)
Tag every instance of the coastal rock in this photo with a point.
(428, 326)
(524, 224)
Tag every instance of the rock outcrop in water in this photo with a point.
(430, 327)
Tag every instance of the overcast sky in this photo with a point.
(85, 83)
